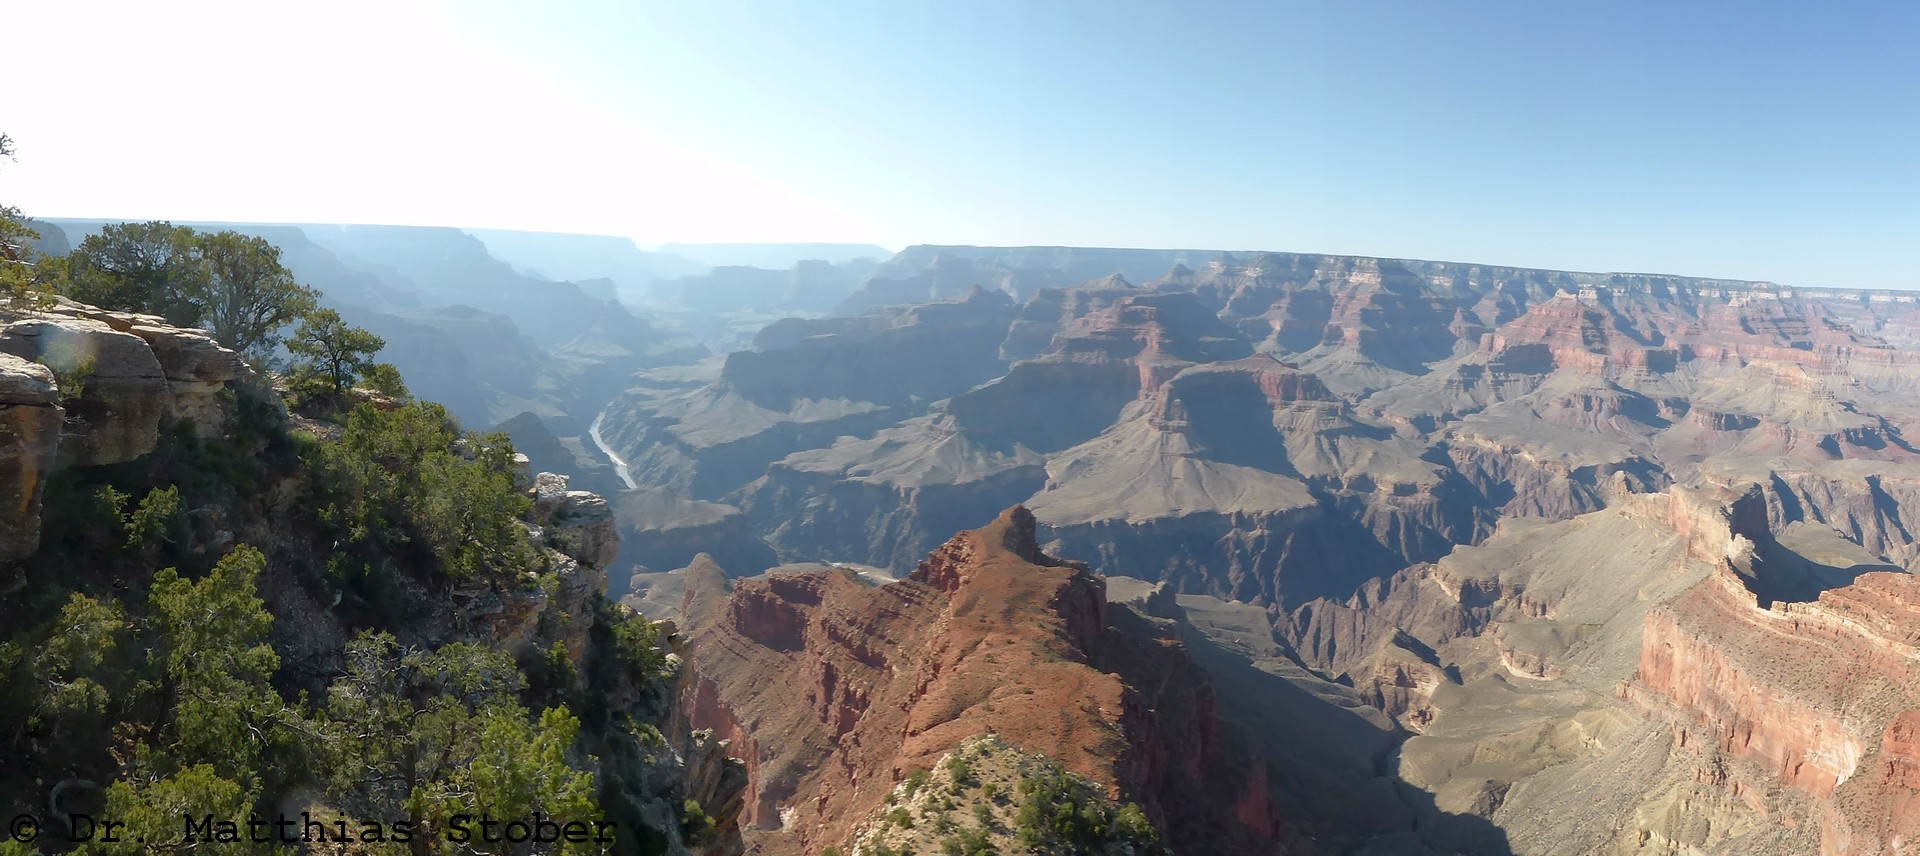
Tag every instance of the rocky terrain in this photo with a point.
(127, 378)
(836, 689)
(1542, 562)
(1252, 409)
(91, 399)
(1258, 552)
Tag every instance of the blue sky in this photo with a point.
(1746, 140)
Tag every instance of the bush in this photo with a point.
(973, 842)
(695, 826)
(1060, 808)
(636, 644)
(71, 369)
(916, 780)
(961, 774)
(155, 520)
(383, 378)
(394, 487)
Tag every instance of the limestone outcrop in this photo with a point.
(578, 523)
(123, 396)
(30, 417)
(1817, 697)
(128, 378)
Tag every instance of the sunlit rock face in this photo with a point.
(1623, 551)
(128, 377)
(30, 417)
(834, 688)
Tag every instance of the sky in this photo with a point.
(1749, 140)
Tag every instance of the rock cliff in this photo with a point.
(988, 635)
(129, 377)
(1467, 496)
(29, 440)
(1404, 405)
(1817, 697)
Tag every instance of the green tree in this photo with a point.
(155, 520)
(395, 478)
(16, 237)
(227, 737)
(331, 352)
(151, 267)
(214, 654)
(383, 378)
(232, 284)
(20, 276)
(155, 812)
(431, 734)
(73, 679)
(248, 297)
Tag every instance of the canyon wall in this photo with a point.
(129, 378)
(836, 689)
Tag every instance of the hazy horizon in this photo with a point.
(1717, 140)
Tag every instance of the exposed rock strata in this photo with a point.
(803, 385)
(131, 377)
(989, 635)
(30, 417)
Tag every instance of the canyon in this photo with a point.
(1451, 558)
(1275, 552)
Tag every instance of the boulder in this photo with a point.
(197, 369)
(116, 416)
(578, 523)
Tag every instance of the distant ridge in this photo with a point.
(774, 256)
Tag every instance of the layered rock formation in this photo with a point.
(989, 635)
(1402, 406)
(922, 273)
(1818, 697)
(1522, 525)
(1618, 673)
(30, 416)
(128, 377)
(804, 384)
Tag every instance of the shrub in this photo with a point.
(1060, 808)
(983, 815)
(155, 520)
(636, 645)
(961, 774)
(915, 781)
(695, 826)
(973, 842)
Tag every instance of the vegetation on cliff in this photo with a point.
(988, 797)
(347, 611)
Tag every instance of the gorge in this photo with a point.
(1231, 552)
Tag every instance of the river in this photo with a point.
(619, 464)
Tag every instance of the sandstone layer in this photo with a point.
(835, 689)
(127, 378)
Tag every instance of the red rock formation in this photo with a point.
(835, 690)
(1817, 696)
(1276, 385)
